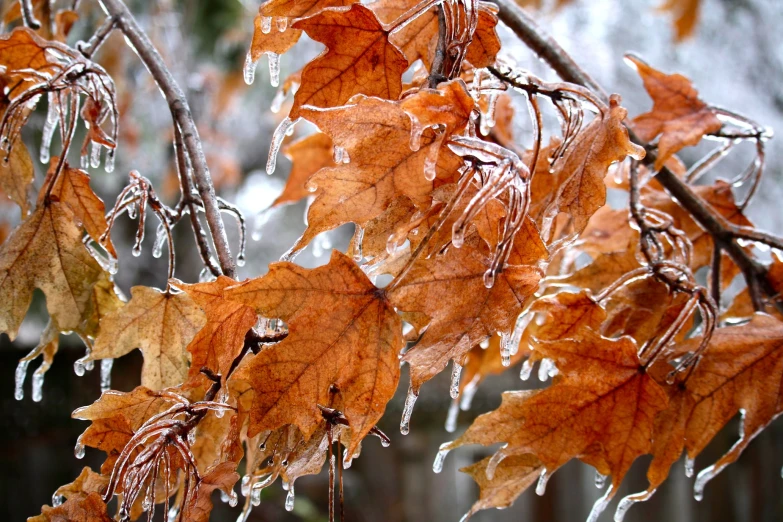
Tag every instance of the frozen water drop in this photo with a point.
(136, 251)
(173, 513)
(489, 278)
(495, 461)
(233, 499)
(430, 163)
(600, 506)
(702, 479)
(289, 499)
(277, 141)
(282, 23)
(48, 133)
(544, 368)
(79, 368)
(600, 480)
(625, 504)
(132, 211)
(451, 417)
(19, 377)
(444, 449)
(255, 497)
(160, 239)
(84, 160)
(95, 156)
(108, 165)
(224, 498)
(274, 68)
(266, 24)
(38, 381)
(457, 236)
(407, 411)
(505, 349)
(57, 500)
(542, 482)
(456, 371)
(277, 101)
(78, 449)
(249, 69)
(468, 393)
(689, 465)
(241, 261)
(146, 504)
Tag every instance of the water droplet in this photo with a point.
(57, 500)
(505, 348)
(489, 278)
(456, 371)
(249, 69)
(444, 449)
(192, 437)
(50, 124)
(544, 369)
(136, 251)
(407, 411)
(233, 499)
(132, 211)
(282, 23)
(21, 373)
(457, 236)
(78, 449)
(289, 499)
(224, 497)
(84, 160)
(277, 141)
(255, 497)
(430, 164)
(337, 154)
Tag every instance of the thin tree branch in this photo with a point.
(183, 118)
(88, 48)
(438, 63)
(547, 49)
(28, 18)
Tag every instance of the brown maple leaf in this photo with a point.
(199, 506)
(87, 482)
(160, 324)
(16, 175)
(359, 59)
(341, 351)
(678, 115)
(509, 479)
(451, 291)
(222, 338)
(486, 44)
(84, 508)
(46, 252)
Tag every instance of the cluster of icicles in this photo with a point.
(249, 70)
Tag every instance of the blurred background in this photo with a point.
(735, 58)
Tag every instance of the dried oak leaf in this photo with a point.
(22, 50)
(84, 508)
(72, 188)
(568, 315)
(160, 324)
(359, 59)
(376, 134)
(678, 115)
(343, 344)
(510, 478)
(485, 46)
(16, 175)
(222, 338)
(46, 252)
(584, 165)
(601, 410)
(308, 156)
(450, 290)
(87, 482)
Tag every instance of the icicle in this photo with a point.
(437, 466)
(626, 503)
(224, 497)
(160, 238)
(132, 211)
(430, 162)
(689, 464)
(337, 154)
(108, 165)
(282, 24)
(544, 368)
(347, 459)
(484, 344)
(136, 251)
(222, 398)
(542, 481)
(21, 373)
(57, 500)
(526, 370)
(95, 156)
(490, 115)
(266, 24)
(85, 160)
(456, 371)
(245, 484)
(277, 101)
(249, 69)
(457, 236)
(407, 410)
(495, 461)
(417, 129)
(468, 393)
(600, 480)
(50, 124)
(81, 365)
(233, 499)
(78, 450)
(505, 349)
(703, 478)
(358, 254)
(451, 417)
(274, 68)
(38, 381)
(600, 505)
(255, 497)
(277, 140)
(173, 513)
(289, 499)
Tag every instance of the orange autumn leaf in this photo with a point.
(678, 115)
(84, 508)
(341, 351)
(222, 477)
(509, 479)
(601, 410)
(359, 59)
(486, 43)
(438, 287)
(16, 175)
(418, 38)
(585, 163)
(376, 135)
(221, 339)
(160, 324)
(46, 252)
(308, 156)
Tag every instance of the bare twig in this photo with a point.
(548, 50)
(27, 14)
(439, 62)
(183, 118)
(88, 48)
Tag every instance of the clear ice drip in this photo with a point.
(451, 417)
(289, 499)
(282, 23)
(50, 125)
(625, 504)
(38, 381)
(266, 24)
(277, 141)
(255, 497)
(600, 505)
(249, 69)
(95, 155)
(495, 461)
(526, 370)
(600, 480)
(468, 393)
(57, 500)
(108, 165)
(407, 411)
(505, 349)
(274, 68)
(78, 449)
(545, 369)
(19, 376)
(689, 465)
(160, 239)
(542, 482)
(456, 371)
(437, 465)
